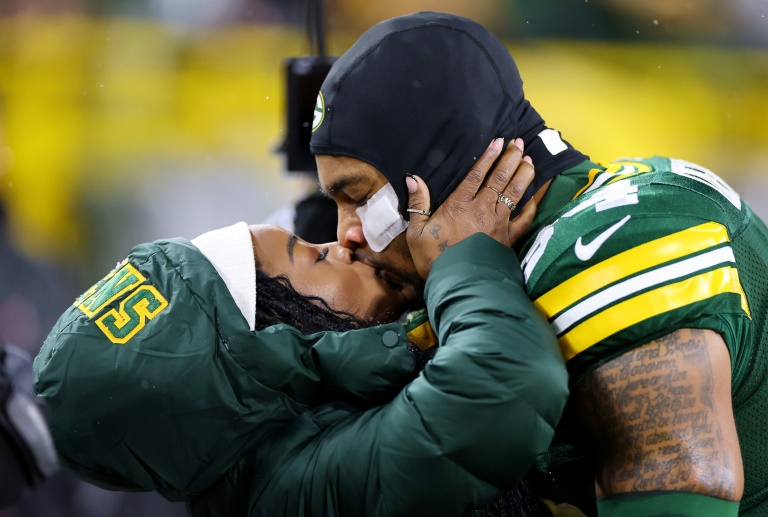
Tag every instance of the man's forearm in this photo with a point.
(662, 417)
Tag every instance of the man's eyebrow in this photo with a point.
(291, 244)
(340, 184)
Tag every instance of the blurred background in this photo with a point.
(123, 122)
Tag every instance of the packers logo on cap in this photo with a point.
(319, 112)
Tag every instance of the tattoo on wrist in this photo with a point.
(435, 231)
(443, 246)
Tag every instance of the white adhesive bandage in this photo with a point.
(380, 219)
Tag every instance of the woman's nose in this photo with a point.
(341, 253)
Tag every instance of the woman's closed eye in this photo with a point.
(322, 255)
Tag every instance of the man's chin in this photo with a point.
(411, 286)
(414, 293)
(407, 282)
(412, 289)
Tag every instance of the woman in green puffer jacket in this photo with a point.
(178, 391)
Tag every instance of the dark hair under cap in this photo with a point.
(425, 94)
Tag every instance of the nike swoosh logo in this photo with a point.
(586, 251)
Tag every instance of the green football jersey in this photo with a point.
(627, 253)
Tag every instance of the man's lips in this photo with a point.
(389, 277)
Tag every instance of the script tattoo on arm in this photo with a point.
(662, 417)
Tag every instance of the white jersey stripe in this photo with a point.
(639, 283)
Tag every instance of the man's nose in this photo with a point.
(349, 232)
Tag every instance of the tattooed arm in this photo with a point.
(663, 420)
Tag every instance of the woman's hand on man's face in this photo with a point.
(482, 202)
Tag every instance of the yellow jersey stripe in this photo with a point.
(635, 260)
(643, 282)
(590, 181)
(613, 172)
(423, 336)
(652, 303)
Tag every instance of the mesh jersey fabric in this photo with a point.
(623, 254)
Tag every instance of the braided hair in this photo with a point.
(278, 302)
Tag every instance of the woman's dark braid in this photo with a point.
(278, 302)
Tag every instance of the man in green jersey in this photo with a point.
(651, 271)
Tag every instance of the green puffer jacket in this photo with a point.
(470, 425)
(155, 382)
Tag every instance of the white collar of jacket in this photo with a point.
(230, 250)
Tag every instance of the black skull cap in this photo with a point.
(426, 94)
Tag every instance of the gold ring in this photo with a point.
(510, 204)
(503, 199)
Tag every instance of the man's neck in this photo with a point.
(550, 199)
(539, 195)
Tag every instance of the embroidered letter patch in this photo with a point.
(140, 302)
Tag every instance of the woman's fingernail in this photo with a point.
(519, 143)
(497, 144)
(528, 159)
(411, 184)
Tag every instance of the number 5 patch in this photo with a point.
(141, 302)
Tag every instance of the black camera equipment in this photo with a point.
(303, 77)
(27, 454)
